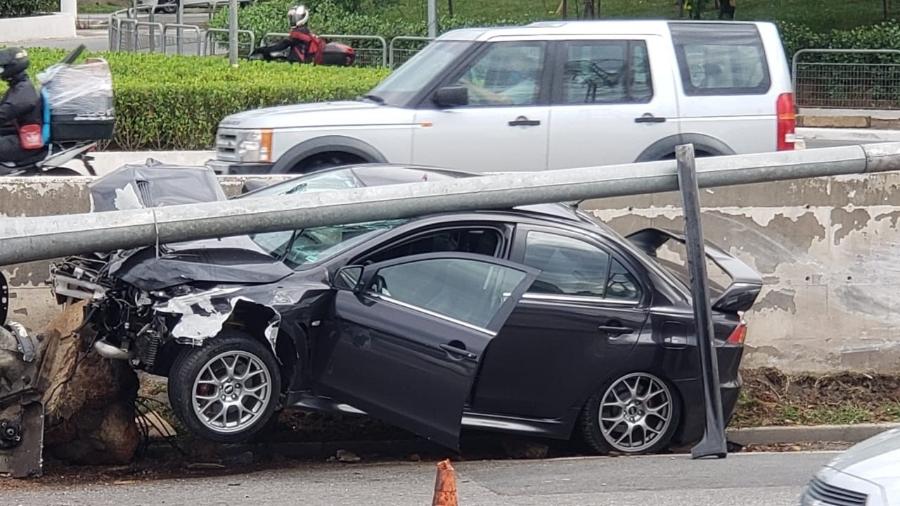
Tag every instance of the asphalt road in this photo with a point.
(769, 479)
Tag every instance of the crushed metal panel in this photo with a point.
(22, 435)
(154, 185)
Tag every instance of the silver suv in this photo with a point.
(549, 95)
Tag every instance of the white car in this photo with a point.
(867, 474)
(549, 95)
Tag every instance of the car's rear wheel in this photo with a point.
(635, 413)
(226, 390)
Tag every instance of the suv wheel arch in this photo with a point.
(354, 149)
(664, 148)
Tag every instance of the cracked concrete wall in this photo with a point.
(828, 252)
(827, 249)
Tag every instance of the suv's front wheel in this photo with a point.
(227, 389)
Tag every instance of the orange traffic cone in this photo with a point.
(445, 485)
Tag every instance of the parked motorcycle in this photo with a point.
(77, 104)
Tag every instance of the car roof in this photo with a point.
(605, 27)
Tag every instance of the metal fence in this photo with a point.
(217, 42)
(403, 48)
(134, 30)
(847, 78)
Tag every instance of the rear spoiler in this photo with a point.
(745, 285)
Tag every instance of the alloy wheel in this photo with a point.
(231, 392)
(635, 412)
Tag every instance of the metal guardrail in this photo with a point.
(179, 39)
(212, 45)
(153, 40)
(398, 55)
(847, 78)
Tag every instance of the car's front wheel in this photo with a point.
(227, 389)
(635, 413)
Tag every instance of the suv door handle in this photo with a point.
(524, 121)
(649, 118)
(614, 330)
(459, 352)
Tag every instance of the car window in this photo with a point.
(482, 241)
(622, 284)
(409, 80)
(340, 179)
(466, 290)
(507, 73)
(718, 59)
(606, 71)
(568, 266)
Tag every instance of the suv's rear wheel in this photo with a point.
(325, 161)
(227, 389)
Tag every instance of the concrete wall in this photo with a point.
(60, 25)
(827, 248)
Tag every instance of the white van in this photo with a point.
(549, 95)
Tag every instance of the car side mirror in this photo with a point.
(451, 96)
(348, 278)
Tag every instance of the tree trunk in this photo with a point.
(88, 400)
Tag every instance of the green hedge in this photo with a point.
(328, 17)
(19, 8)
(169, 102)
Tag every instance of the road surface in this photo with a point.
(769, 479)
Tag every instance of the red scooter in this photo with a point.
(301, 46)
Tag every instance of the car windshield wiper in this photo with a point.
(373, 98)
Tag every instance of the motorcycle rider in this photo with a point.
(20, 109)
(304, 46)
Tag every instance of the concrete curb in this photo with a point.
(807, 434)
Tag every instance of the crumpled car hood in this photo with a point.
(229, 260)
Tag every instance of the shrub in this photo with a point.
(20, 8)
(171, 102)
(329, 17)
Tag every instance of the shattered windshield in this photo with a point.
(310, 245)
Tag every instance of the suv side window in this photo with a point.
(720, 59)
(573, 267)
(507, 73)
(606, 72)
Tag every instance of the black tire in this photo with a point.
(599, 441)
(325, 161)
(193, 361)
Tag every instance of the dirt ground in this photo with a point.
(770, 397)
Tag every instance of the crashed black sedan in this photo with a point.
(537, 320)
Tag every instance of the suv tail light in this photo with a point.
(787, 121)
(738, 335)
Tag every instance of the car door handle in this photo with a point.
(649, 118)
(614, 330)
(459, 352)
(523, 121)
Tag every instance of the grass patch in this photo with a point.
(98, 8)
(770, 397)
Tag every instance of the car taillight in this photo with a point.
(738, 335)
(787, 121)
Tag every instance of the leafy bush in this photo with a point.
(170, 102)
(329, 17)
(20, 8)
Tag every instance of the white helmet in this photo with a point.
(298, 15)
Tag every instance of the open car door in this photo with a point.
(410, 333)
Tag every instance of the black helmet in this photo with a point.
(13, 61)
